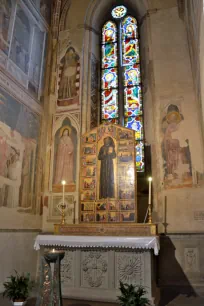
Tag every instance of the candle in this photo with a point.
(53, 250)
(150, 191)
(63, 190)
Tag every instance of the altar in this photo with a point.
(107, 245)
(93, 266)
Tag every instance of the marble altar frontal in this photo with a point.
(94, 266)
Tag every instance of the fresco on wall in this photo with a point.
(20, 49)
(5, 18)
(65, 149)
(19, 129)
(175, 150)
(69, 75)
(45, 9)
(36, 61)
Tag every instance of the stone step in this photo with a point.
(183, 300)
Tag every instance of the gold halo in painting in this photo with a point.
(66, 127)
(173, 117)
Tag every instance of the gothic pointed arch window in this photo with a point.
(121, 90)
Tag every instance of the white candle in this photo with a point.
(63, 191)
(53, 250)
(150, 189)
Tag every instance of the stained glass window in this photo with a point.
(119, 11)
(121, 93)
(109, 75)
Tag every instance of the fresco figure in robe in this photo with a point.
(175, 149)
(64, 159)
(67, 86)
(106, 155)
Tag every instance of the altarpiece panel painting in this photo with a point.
(107, 178)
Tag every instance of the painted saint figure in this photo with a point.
(64, 159)
(175, 148)
(106, 155)
(67, 86)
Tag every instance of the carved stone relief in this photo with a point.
(191, 259)
(129, 268)
(94, 269)
(67, 268)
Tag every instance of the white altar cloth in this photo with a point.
(151, 242)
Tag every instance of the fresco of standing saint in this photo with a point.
(64, 169)
(175, 150)
(106, 155)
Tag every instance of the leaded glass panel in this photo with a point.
(109, 78)
(109, 55)
(109, 104)
(109, 32)
(133, 101)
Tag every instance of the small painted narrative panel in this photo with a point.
(109, 55)
(136, 124)
(109, 78)
(133, 101)
(109, 32)
(109, 104)
(132, 75)
(107, 177)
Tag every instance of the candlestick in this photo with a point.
(63, 203)
(149, 201)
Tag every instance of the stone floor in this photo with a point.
(180, 300)
(183, 300)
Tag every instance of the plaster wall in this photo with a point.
(24, 28)
(21, 255)
(173, 84)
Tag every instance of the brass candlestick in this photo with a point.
(149, 201)
(63, 221)
(63, 206)
(150, 214)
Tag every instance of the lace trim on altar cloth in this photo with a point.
(98, 242)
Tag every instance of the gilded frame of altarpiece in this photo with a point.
(108, 175)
